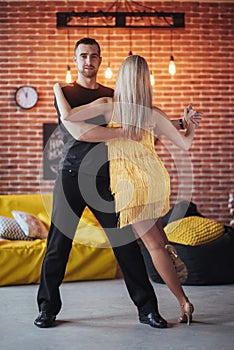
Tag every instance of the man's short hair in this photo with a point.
(87, 41)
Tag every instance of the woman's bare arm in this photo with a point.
(163, 126)
(93, 133)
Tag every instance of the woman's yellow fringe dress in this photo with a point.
(139, 180)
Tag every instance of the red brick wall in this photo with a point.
(33, 51)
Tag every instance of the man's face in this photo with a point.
(87, 60)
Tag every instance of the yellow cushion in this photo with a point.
(20, 261)
(30, 203)
(88, 231)
(193, 230)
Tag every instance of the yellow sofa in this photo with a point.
(91, 257)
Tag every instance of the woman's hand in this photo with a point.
(191, 115)
(101, 100)
(188, 113)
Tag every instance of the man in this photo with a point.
(83, 180)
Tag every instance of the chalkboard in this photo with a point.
(52, 150)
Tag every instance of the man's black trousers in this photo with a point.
(74, 191)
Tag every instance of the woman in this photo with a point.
(139, 181)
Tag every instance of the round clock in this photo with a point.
(26, 97)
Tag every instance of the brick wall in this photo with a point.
(33, 51)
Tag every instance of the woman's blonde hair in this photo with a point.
(133, 95)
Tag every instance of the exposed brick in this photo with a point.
(33, 51)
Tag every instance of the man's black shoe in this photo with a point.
(45, 320)
(153, 319)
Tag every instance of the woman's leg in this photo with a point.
(153, 236)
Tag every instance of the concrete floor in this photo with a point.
(99, 315)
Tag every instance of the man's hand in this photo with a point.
(196, 118)
(191, 115)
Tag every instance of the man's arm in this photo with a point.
(102, 105)
(73, 118)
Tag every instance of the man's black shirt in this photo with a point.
(90, 158)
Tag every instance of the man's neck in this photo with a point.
(89, 83)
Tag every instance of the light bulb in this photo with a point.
(152, 81)
(68, 75)
(108, 73)
(172, 66)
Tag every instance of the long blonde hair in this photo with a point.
(133, 95)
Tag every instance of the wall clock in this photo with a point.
(26, 96)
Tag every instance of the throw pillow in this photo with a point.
(193, 230)
(9, 229)
(179, 211)
(30, 225)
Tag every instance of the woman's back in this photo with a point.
(138, 179)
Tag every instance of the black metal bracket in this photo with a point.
(120, 19)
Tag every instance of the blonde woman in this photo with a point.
(139, 181)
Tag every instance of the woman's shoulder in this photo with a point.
(157, 112)
(157, 109)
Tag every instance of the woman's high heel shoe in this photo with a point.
(187, 310)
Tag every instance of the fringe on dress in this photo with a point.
(139, 180)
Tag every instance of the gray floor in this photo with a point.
(99, 315)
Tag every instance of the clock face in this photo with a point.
(26, 97)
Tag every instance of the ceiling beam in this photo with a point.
(120, 19)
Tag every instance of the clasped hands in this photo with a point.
(191, 115)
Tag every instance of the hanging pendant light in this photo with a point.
(68, 75)
(130, 41)
(108, 71)
(68, 78)
(172, 66)
(152, 80)
(68, 72)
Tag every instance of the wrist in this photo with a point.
(120, 134)
(181, 123)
